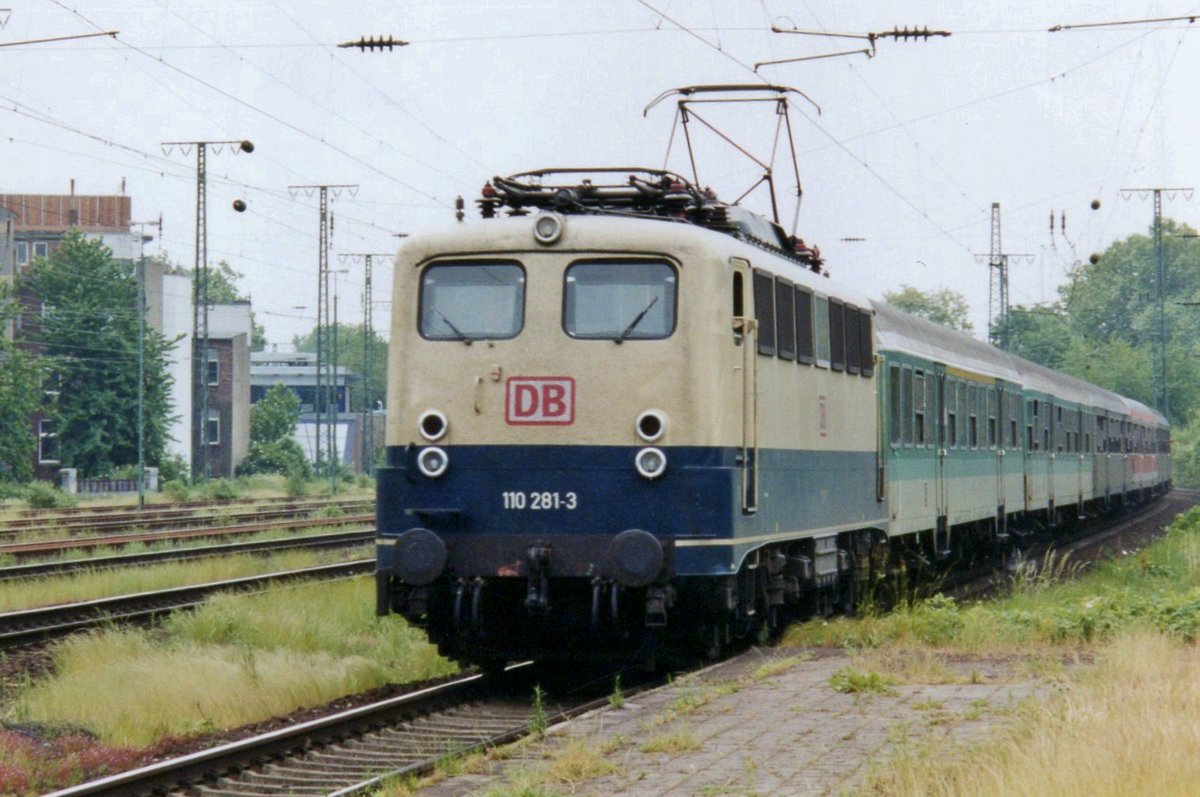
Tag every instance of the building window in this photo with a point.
(47, 443)
(52, 383)
(41, 249)
(22, 253)
(212, 366)
(213, 428)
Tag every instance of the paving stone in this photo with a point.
(790, 734)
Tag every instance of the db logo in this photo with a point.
(540, 400)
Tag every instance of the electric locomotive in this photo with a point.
(626, 418)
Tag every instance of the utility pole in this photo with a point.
(141, 382)
(998, 305)
(1158, 338)
(201, 468)
(368, 427)
(323, 316)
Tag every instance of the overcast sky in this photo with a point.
(909, 151)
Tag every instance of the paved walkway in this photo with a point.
(787, 733)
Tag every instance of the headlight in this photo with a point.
(432, 425)
(547, 228)
(433, 461)
(651, 425)
(651, 463)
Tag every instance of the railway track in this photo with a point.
(355, 751)
(338, 539)
(44, 548)
(1091, 546)
(169, 517)
(32, 626)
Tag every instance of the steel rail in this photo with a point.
(33, 625)
(167, 518)
(182, 505)
(19, 549)
(165, 775)
(416, 748)
(55, 568)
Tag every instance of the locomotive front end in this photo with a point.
(542, 453)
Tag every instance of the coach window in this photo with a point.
(991, 415)
(931, 409)
(866, 343)
(764, 311)
(472, 301)
(821, 327)
(619, 300)
(919, 407)
(951, 413)
(853, 344)
(785, 316)
(894, 403)
(1031, 408)
(804, 327)
(907, 395)
(973, 417)
(1014, 420)
(837, 335)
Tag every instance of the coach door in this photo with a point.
(1050, 440)
(937, 414)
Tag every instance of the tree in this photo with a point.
(1112, 308)
(946, 307)
(1042, 334)
(18, 399)
(222, 289)
(350, 341)
(88, 331)
(272, 448)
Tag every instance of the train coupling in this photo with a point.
(537, 594)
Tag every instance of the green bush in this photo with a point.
(283, 455)
(223, 489)
(176, 490)
(296, 485)
(43, 495)
(173, 468)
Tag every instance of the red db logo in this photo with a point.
(540, 401)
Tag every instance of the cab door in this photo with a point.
(745, 331)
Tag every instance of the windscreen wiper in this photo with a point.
(637, 320)
(461, 335)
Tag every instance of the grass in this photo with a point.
(566, 768)
(1126, 726)
(108, 582)
(1159, 589)
(848, 680)
(236, 660)
(679, 740)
